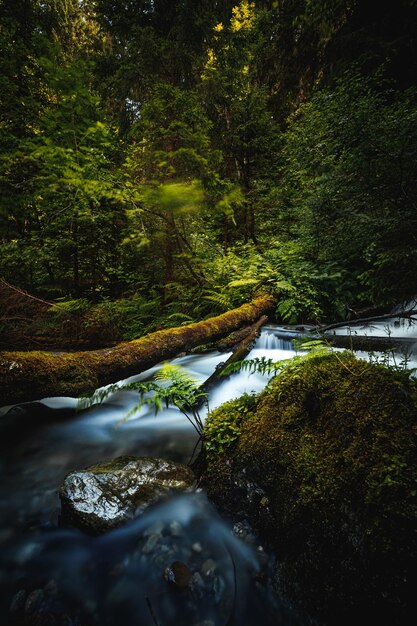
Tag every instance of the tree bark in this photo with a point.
(26, 376)
(239, 352)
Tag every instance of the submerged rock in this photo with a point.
(324, 463)
(106, 495)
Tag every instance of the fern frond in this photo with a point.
(260, 365)
(310, 345)
(181, 391)
(220, 300)
(243, 282)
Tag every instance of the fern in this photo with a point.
(259, 365)
(172, 386)
(243, 282)
(308, 344)
(221, 300)
(314, 349)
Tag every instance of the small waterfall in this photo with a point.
(269, 340)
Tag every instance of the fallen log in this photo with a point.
(371, 344)
(26, 376)
(239, 352)
(365, 320)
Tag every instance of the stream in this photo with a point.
(55, 576)
(69, 578)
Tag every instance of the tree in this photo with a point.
(350, 185)
(171, 152)
(59, 196)
(239, 108)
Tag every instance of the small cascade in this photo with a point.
(269, 340)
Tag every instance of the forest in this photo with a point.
(201, 203)
(162, 161)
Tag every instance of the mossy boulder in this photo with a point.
(106, 495)
(324, 462)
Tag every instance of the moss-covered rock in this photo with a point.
(324, 462)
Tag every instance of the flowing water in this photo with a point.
(65, 577)
(118, 578)
(404, 331)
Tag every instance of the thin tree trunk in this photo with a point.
(169, 258)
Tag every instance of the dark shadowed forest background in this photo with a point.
(161, 161)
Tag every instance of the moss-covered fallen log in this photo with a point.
(28, 376)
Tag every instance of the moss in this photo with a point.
(32, 375)
(223, 425)
(332, 449)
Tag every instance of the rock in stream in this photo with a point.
(106, 495)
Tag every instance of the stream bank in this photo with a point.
(35, 459)
(34, 464)
(324, 464)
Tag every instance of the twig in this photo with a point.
(231, 616)
(28, 295)
(152, 614)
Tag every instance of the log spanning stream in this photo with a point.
(69, 578)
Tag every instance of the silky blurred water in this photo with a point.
(37, 456)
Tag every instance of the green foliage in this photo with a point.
(71, 307)
(312, 349)
(350, 183)
(303, 290)
(172, 386)
(222, 428)
(201, 153)
(260, 365)
(325, 465)
(175, 197)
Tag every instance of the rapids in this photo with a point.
(119, 578)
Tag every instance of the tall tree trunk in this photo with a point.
(169, 249)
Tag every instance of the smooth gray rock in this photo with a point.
(106, 495)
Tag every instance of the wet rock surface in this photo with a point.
(106, 495)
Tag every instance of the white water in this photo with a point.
(392, 327)
(105, 422)
(404, 330)
(34, 465)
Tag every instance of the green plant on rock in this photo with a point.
(331, 444)
(222, 428)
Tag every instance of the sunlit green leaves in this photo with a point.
(175, 197)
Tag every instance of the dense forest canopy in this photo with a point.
(165, 160)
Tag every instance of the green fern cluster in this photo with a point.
(261, 365)
(223, 425)
(172, 386)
